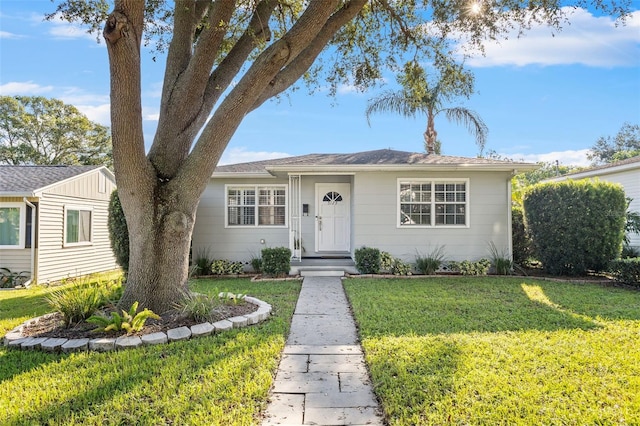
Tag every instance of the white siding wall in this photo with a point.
(630, 181)
(375, 217)
(234, 243)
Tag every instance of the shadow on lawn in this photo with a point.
(182, 382)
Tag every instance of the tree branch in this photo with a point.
(217, 133)
(301, 63)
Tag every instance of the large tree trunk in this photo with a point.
(160, 192)
(160, 236)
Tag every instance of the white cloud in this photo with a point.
(97, 113)
(567, 158)
(6, 34)
(241, 155)
(588, 40)
(64, 30)
(23, 88)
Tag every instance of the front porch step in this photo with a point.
(315, 272)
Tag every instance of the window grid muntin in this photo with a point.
(446, 201)
(256, 205)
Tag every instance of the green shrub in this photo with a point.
(626, 270)
(500, 260)
(576, 226)
(466, 267)
(77, 303)
(256, 264)
(198, 307)
(522, 245)
(202, 261)
(118, 232)
(226, 267)
(9, 279)
(398, 267)
(368, 260)
(276, 261)
(130, 321)
(430, 263)
(386, 261)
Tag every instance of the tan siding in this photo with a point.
(86, 187)
(56, 261)
(16, 260)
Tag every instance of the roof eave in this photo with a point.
(596, 172)
(510, 167)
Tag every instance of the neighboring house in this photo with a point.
(329, 205)
(626, 173)
(53, 221)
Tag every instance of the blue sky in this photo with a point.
(543, 97)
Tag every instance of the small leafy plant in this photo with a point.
(466, 267)
(398, 267)
(386, 261)
(626, 270)
(500, 260)
(130, 321)
(229, 298)
(430, 263)
(276, 261)
(77, 303)
(226, 267)
(198, 307)
(10, 279)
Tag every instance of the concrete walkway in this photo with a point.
(322, 378)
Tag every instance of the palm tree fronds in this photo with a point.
(472, 121)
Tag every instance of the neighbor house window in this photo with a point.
(12, 225)
(77, 225)
(256, 205)
(432, 202)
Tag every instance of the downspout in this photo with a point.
(509, 215)
(33, 241)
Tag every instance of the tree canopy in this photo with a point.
(625, 144)
(41, 131)
(225, 58)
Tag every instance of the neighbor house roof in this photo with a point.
(632, 163)
(27, 181)
(382, 159)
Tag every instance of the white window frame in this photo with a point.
(433, 202)
(22, 228)
(256, 205)
(91, 222)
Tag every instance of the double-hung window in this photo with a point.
(256, 205)
(433, 202)
(12, 225)
(77, 225)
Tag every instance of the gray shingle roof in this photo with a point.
(385, 157)
(21, 179)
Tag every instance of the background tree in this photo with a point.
(41, 131)
(419, 96)
(625, 144)
(225, 58)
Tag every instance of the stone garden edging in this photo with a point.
(15, 339)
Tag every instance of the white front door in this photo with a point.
(333, 216)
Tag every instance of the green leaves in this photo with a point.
(129, 321)
(42, 131)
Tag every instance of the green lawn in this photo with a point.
(218, 380)
(500, 351)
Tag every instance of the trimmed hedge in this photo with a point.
(576, 226)
(626, 270)
(118, 232)
(368, 260)
(522, 245)
(276, 261)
